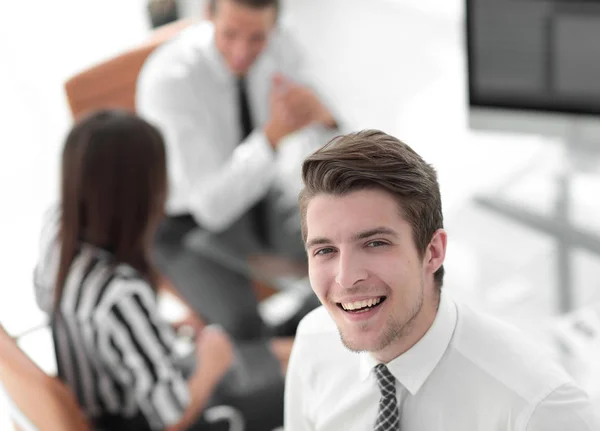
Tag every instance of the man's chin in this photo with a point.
(363, 342)
(239, 71)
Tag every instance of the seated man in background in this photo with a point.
(226, 93)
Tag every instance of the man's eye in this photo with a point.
(376, 244)
(324, 251)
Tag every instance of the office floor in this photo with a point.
(396, 65)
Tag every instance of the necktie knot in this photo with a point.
(385, 380)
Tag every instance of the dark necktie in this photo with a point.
(388, 416)
(244, 105)
(258, 212)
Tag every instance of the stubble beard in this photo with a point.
(394, 329)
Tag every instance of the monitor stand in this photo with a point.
(581, 150)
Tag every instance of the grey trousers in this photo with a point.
(211, 272)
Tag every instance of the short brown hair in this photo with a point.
(373, 159)
(256, 4)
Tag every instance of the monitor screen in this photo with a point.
(541, 55)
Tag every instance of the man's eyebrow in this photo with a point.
(373, 232)
(357, 237)
(317, 241)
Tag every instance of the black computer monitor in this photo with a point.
(534, 66)
(541, 55)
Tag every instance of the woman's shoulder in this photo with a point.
(126, 284)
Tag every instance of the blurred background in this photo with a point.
(520, 185)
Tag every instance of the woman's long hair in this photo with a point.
(113, 191)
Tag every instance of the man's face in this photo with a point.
(365, 267)
(241, 33)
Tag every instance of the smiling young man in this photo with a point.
(389, 349)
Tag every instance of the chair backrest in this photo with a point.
(45, 401)
(112, 83)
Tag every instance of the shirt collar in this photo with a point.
(214, 58)
(415, 365)
(217, 63)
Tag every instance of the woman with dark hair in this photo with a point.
(112, 347)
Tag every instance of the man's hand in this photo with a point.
(302, 105)
(293, 107)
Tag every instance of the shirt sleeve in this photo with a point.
(46, 267)
(216, 188)
(143, 355)
(566, 408)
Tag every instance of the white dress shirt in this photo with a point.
(468, 373)
(186, 90)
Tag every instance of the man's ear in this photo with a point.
(436, 251)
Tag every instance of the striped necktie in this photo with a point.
(388, 417)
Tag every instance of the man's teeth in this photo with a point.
(357, 305)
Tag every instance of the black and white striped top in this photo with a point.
(112, 348)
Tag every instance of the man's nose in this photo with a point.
(350, 270)
(241, 52)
